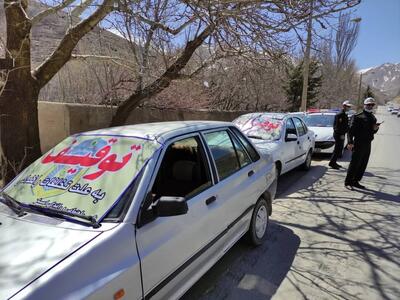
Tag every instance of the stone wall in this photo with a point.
(59, 120)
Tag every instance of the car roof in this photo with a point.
(159, 131)
(322, 114)
(277, 116)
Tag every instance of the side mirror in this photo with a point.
(291, 137)
(171, 206)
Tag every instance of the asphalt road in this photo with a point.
(324, 242)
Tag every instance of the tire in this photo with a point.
(259, 223)
(307, 163)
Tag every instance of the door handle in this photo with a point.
(211, 200)
(298, 142)
(250, 173)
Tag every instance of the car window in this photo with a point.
(223, 152)
(184, 170)
(304, 126)
(260, 126)
(319, 120)
(290, 128)
(299, 126)
(241, 153)
(249, 147)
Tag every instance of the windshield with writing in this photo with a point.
(84, 174)
(319, 120)
(260, 126)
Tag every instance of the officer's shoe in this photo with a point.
(334, 166)
(358, 185)
(348, 186)
(339, 166)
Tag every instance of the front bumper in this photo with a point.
(324, 146)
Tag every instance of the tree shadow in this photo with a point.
(245, 272)
(378, 195)
(369, 174)
(350, 234)
(346, 245)
(296, 180)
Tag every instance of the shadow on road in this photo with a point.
(354, 234)
(246, 272)
(296, 180)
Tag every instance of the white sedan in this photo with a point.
(322, 125)
(285, 136)
(132, 212)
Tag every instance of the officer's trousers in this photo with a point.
(359, 161)
(337, 152)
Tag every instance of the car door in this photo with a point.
(173, 249)
(290, 147)
(238, 180)
(302, 143)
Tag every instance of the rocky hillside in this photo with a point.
(79, 80)
(385, 78)
(47, 34)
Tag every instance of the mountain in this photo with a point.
(47, 34)
(384, 78)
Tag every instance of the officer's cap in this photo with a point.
(369, 100)
(347, 103)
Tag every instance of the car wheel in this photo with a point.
(259, 223)
(307, 163)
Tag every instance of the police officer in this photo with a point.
(340, 128)
(363, 126)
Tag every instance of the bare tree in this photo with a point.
(345, 39)
(175, 30)
(18, 100)
(338, 69)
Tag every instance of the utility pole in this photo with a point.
(306, 61)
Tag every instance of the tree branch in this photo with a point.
(77, 11)
(164, 80)
(44, 13)
(45, 72)
(157, 25)
(115, 60)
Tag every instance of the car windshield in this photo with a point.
(320, 120)
(84, 174)
(261, 126)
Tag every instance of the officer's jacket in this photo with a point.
(341, 123)
(362, 127)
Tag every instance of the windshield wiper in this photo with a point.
(255, 137)
(60, 213)
(12, 203)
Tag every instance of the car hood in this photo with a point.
(31, 245)
(322, 133)
(266, 146)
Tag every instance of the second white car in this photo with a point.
(284, 136)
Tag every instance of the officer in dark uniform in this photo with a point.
(340, 128)
(363, 126)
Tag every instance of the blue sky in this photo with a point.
(379, 39)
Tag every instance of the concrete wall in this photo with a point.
(59, 120)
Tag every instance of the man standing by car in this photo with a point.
(361, 133)
(340, 128)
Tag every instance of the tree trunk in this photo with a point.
(19, 129)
